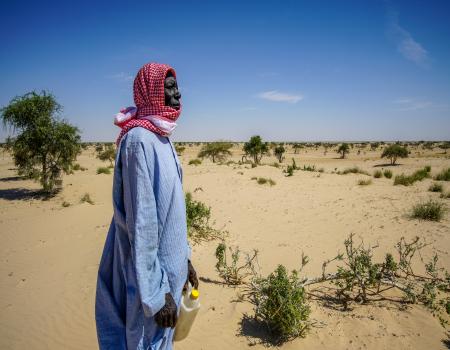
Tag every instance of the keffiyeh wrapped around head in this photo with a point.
(150, 111)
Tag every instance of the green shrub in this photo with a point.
(387, 174)
(179, 149)
(263, 180)
(197, 217)
(77, 167)
(309, 168)
(436, 187)
(103, 170)
(281, 303)
(403, 180)
(418, 175)
(431, 210)
(289, 170)
(354, 170)
(87, 198)
(359, 276)
(444, 175)
(377, 174)
(195, 162)
(363, 182)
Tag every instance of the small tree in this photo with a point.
(216, 151)
(296, 147)
(256, 148)
(179, 149)
(109, 153)
(374, 145)
(45, 146)
(445, 146)
(343, 149)
(393, 152)
(279, 151)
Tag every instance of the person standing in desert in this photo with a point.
(146, 259)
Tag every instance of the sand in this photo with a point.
(50, 253)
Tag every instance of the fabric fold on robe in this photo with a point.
(146, 249)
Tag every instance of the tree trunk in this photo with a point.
(45, 184)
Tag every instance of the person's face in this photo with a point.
(171, 93)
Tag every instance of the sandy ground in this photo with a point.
(50, 253)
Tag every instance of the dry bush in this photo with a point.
(231, 269)
(87, 198)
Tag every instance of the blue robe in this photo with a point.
(146, 249)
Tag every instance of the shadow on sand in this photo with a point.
(12, 178)
(211, 281)
(446, 342)
(386, 165)
(256, 332)
(12, 194)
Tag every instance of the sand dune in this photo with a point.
(50, 253)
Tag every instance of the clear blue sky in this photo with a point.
(286, 70)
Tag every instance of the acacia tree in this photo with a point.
(216, 151)
(343, 150)
(296, 147)
(45, 145)
(394, 151)
(109, 153)
(256, 148)
(279, 151)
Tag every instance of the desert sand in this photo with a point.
(50, 253)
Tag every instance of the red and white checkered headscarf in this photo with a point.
(148, 91)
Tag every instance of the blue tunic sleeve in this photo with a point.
(142, 225)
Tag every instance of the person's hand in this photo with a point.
(192, 277)
(167, 316)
